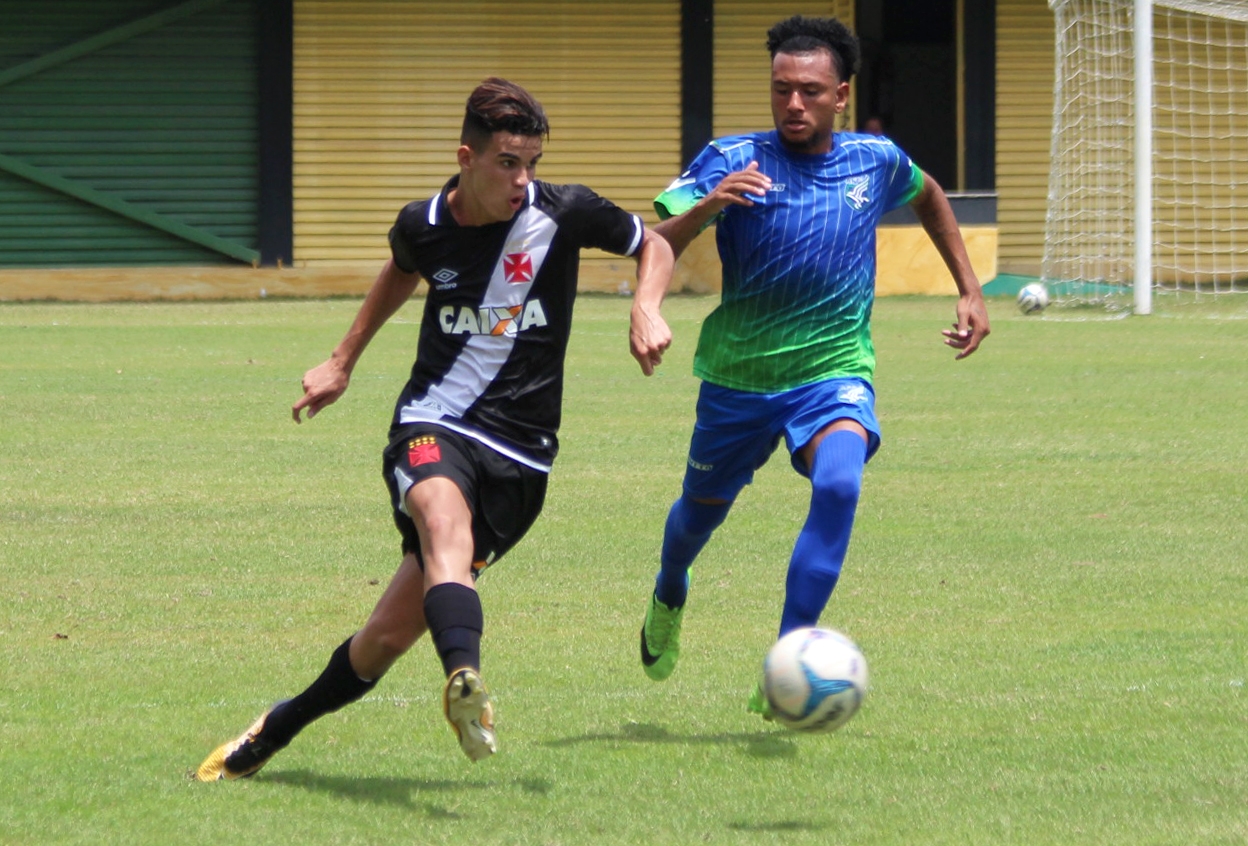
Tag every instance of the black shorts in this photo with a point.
(503, 495)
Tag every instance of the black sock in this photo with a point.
(455, 619)
(337, 686)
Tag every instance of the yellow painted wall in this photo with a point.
(907, 263)
(380, 87)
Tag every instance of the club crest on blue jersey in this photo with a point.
(856, 192)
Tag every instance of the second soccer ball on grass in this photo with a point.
(814, 679)
(1033, 298)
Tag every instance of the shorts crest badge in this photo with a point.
(423, 450)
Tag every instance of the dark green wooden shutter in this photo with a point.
(128, 133)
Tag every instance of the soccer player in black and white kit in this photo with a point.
(474, 430)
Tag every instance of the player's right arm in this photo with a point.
(932, 208)
(325, 383)
(735, 189)
(649, 336)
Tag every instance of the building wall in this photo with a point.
(1024, 120)
(127, 134)
(379, 93)
(378, 89)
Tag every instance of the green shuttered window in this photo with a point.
(128, 133)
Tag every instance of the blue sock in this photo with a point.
(689, 527)
(836, 480)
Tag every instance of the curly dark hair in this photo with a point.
(497, 105)
(800, 34)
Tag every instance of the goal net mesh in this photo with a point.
(1200, 151)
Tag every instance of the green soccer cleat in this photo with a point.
(758, 703)
(242, 757)
(471, 714)
(660, 639)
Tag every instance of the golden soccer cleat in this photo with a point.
(240, 758)
(471, 714)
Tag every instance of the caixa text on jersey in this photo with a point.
(491, 320)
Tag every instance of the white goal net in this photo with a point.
(1199, 152)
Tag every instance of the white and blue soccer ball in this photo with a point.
(1033, 298)
(814, 679)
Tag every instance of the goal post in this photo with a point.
(1142, 91)
(1148, 184)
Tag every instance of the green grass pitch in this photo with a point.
(1047, 577)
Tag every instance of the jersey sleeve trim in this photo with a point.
(639, 230)
(677, 198)
(916, 185)
(712, 164)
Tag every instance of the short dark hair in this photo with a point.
(497, 105)
(799, 35)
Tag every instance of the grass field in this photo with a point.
(1047, 577)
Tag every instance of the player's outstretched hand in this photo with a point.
(648, 338)
(322, 385)
(971, 328)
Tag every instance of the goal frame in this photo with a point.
(1149, 152)
(1142, 33)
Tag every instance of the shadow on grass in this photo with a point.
(787, 825)
(759, 744)
(409, 793)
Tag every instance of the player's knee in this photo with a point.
(693, 518)
(437, 525)
(836, 488)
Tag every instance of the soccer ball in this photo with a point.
(814, 679)
(1033, 298)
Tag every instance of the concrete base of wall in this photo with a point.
(907, 264)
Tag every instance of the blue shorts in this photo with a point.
(737, 431)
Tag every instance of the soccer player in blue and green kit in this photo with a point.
(788, 351)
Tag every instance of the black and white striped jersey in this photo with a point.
(489, 363)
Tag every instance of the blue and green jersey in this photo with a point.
(798, 266)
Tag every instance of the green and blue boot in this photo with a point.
(660, 639)
(758, 703)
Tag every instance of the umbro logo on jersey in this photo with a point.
(517, 267)
(856, 195)
(492, 320)
(445, 275)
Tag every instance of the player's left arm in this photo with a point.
(932, 208)
(648, 333)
